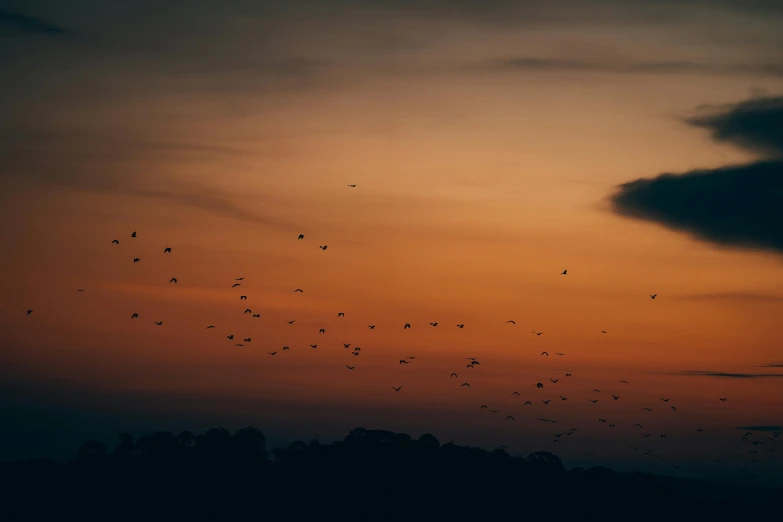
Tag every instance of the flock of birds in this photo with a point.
(473, 362)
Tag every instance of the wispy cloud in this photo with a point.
(15, 23)
(760, 428)
(609, 66)
(705, 373)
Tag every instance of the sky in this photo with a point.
(493, 144)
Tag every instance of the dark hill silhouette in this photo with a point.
(370, 475)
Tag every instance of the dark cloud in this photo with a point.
(704, 373)
(736, 205)
(16, 24)
(760, 428)
(524, 63)
(755, 124)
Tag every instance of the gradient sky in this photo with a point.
(493, 144)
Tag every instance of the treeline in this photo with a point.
(370, 475)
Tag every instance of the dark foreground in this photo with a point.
(371, 475)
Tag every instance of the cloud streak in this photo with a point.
(706, 373)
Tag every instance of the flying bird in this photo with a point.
(397, 388)
(350, 367)
(286, 348)
(554, 380)
(511, 321)
(433, 324)
(340, 314)
(593, 400)
(115, 242)
(453, 375)
(465, 384)
(407, 326)
(565, 272)
(346, 345)
(136, 259)
(159, 323)
(256, 315)
(235, 285)
(568, 375)
(545, 353)
(509, 418)
(167, 250)
(722, 399)
(239, 344)
(239, 279)
(371, 327)
(134, 234)
(623, 382)
(210, 326)
(615, 397)
(323, 247)
(515, 393)
(527, 403)
(664, 400)
(637, 424)
(30, 312)
(546, 401)
(673, 408)
(563, 398)
(173, 280)
(603, 331)
(352, 185)
(646, 409)
(299, 290)
(653, 296)
(272, 353)
(301, 236)
(313, 346)
(559, 353)
(539, 385)
(321, 331)
(247, 340)
(80, 290)
(134, 316)
(483, 407)
(403, 361)
(230, 337)
(291, 322)
(243, 298)
(537, 333)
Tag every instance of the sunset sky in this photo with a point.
(493, 145)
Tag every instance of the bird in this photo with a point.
(545, 353)
(403, 361)
(346, 345)
(434, 324)
(340, 314)
(698, 430)
(453, 375)
(465, 384)
(230, 337)
(291, 321)
(299, 290)
(568, 375)
(545, 401)
(483, 407)
(646, 409)
(134, 316)
(601, 420)
(411, 357)
(136, 259)
(134, 234)
(527, 403)
(397, 388)
(301, 236)
(612, 425)
(596, 390)
(663, 436)
(173, 280)
(286, 348)
(210, 326)
(565, 272)
(509, 417)
(615, 397)
(593, 400)
(243, 298)
(272, 353)
(537, 333)
(623, 382)
(673, 408)
(352, 185)
(646, 435)
(350, 367)
(80, 290)
(539, 385)
(511, 321)
(407, 326)
(323, 247)
(563, 398)
(603, 331)
(247, 340)
(664, 400)
(722, 399)
(653, 296)
(371, 327)
(554, 380)
(637, 424)
(239, 344)
(167, 250)
(159, 323)
(115, 242)
(460, 326)
(29, 312)
(239, 279)
(235, 285)
(313, 346)
(256, 315)
(321, 331)
(515, 393)
(560, 354)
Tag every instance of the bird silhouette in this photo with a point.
(545, 353)
(601, 420)
(623, 382)
(483, 407)
(568, 375)
(433, 324)
(663, 436)
(173, 280)
(397, 388)
(596, 390)
(664, 400)
(313, 346)
(460, 326)
(554, 380)
(286, 348)
(546, 401)
(134, 316)
(243, 298)
(350, 367)
(403, 361)
(30, 312)
(291, 322)
(247, 339)
(301, 236)
(603, 331)
(136, 259)
(673, 408)
(134, 234)
(210, 326)
(593, 400)
(539, 385)
(465, 384)
(340, 314)
(653, 296)
(256, 315)
(321, 331)
(646, 435)
(407, 326)
(563, 398)
(159, 323)
(239, 344)
(527, 403)
(511, 321)
(115, 242)
(299, 290)
(80, 290)
(323, 247)
(167, 250)
(537, 333)
(612, 425)
(615, 397)
(637, 424)
(509, 417)
(559, 353)
(515, 393)
(230, 337)
(371, 327)
(239, 279)
(453, 375)
(346, 345)
(646, 409)
(235, 285)
(722, 399)
(272, 353)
